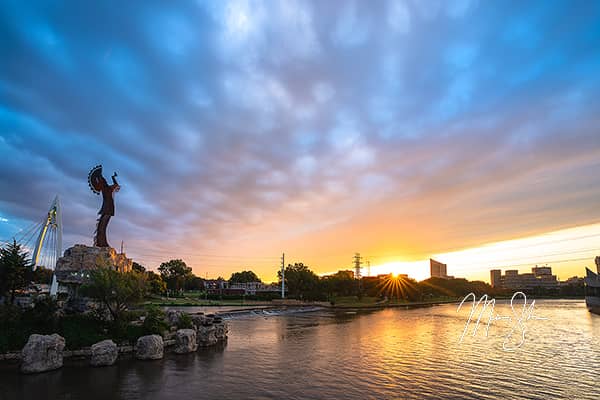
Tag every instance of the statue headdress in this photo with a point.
(95, 179)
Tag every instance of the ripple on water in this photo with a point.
(406, 354)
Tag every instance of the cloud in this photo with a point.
(251, 128)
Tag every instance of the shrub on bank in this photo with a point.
(82, 330)
(154, 323)
(79, 330)
(185, 321)
(17, 324)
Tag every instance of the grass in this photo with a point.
(194, 299)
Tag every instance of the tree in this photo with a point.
(15, 270)
(42, 275)
(115, 290)
(301, 282)
(244, 277)
(193, 282)
(138, 267)
(174, 273)
(155, 283)
(342, 283)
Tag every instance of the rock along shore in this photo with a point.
(47, 352)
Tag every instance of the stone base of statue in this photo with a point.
(74, 267)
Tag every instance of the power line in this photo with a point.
(485, 247)
(542, 257)
(549, 262)
(158, 253)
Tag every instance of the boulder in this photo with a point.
(197, 320)
(173, 317)
(206, 335)
(43, 353)
(104, 353)
(185, 341)
(149, 347)
(221, 330)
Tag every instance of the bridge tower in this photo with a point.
(48, 246)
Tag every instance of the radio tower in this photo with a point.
(357, 265)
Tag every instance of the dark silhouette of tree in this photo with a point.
(138, 267)
(42, 275)
(301, 282)
(15, 270)
(174, 273)
(244, 277)
(193, 282)
(156, 284)
(342, 283)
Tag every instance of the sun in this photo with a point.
(418, 270)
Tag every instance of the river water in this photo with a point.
(391, 353)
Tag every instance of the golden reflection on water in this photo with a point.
(391, 353)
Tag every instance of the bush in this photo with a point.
(16, 324)
(12, 334)
(81, 330)
(185, 321)
(42, 317)
(154, 323)
(133, 332)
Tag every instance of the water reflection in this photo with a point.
(393, 353)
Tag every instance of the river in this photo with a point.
(390, 353)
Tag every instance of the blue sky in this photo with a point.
(244, 129)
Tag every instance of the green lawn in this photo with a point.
(196, 299)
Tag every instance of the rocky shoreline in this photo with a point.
(47, 352)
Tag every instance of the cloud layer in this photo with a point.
(243, 129)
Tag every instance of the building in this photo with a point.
(253, 288)
(222, 287)
(496, 278)
(539, 277)
(572, 281)
(438, 270)
(216, 286)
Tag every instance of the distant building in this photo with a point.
(539, 277)
(572, 281)
(438, 270)
(216, 286)
(252, 288)
(496, 278)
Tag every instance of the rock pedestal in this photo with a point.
(149, 347)
(185, 341)
(104, 353)
(86, 258)
(74, 267)
(43, 353)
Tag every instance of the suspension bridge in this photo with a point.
(43, 239)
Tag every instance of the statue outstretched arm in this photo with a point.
(115, 186)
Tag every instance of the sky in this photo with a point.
(467, 131)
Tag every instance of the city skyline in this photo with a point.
(243, 130)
